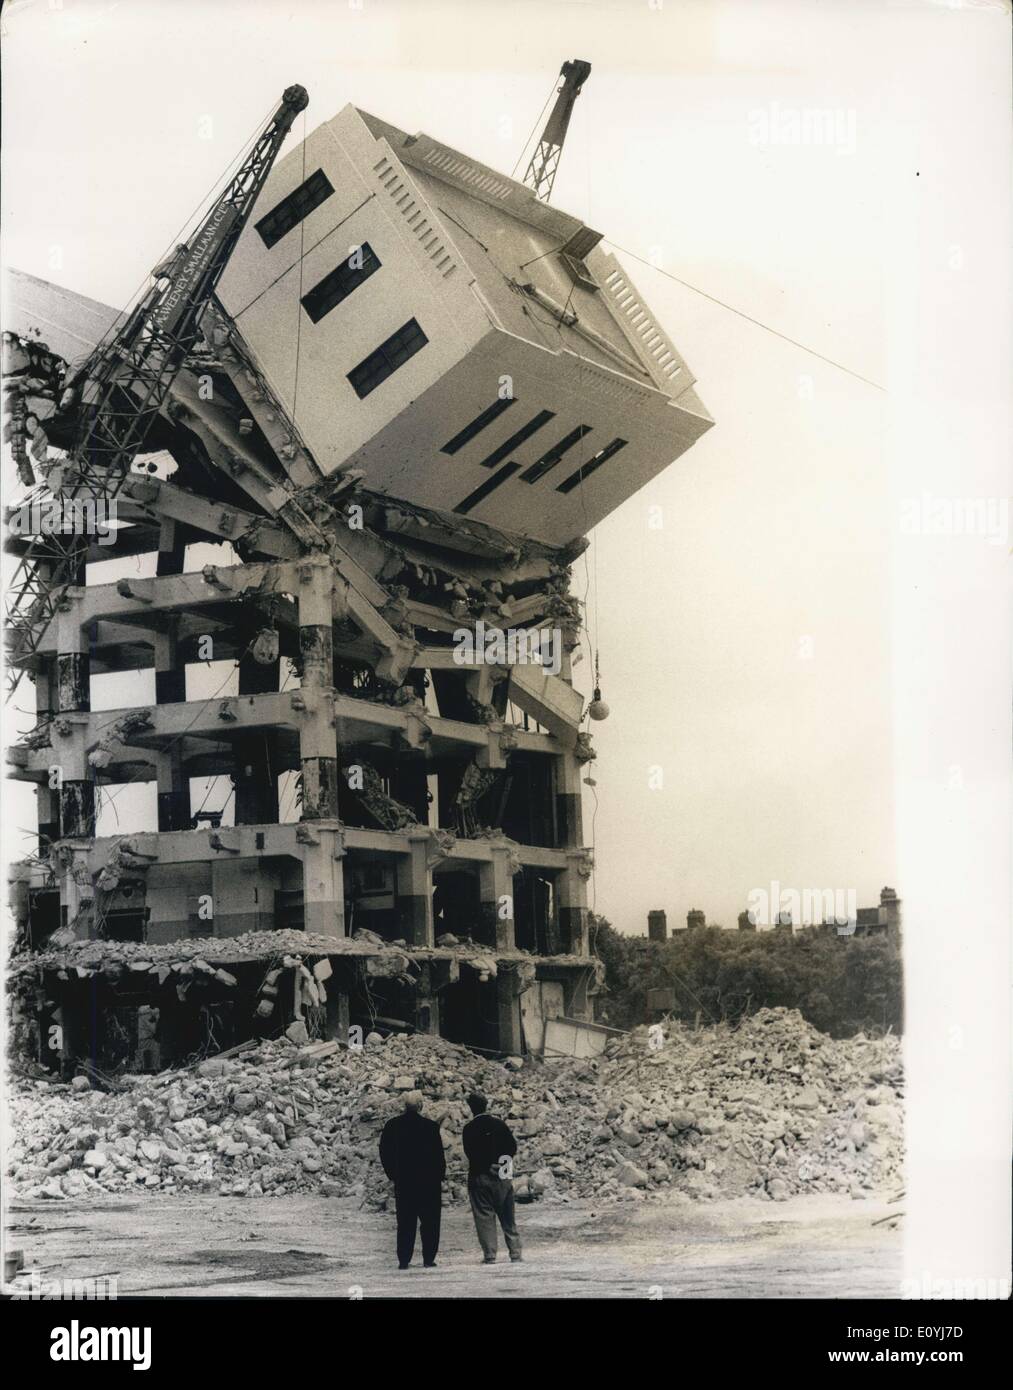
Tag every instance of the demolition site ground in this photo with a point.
(821, 1245)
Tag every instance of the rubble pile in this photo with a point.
(773, 1107)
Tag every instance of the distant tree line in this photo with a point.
(841, 985)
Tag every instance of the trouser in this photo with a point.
(492, 1199)
(417, 1206)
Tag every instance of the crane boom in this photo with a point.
(119, 392)
(541, 172)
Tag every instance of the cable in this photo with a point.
(298, 305)
(282, 273)
(538, 122)
(212, 780)
(553, 250)
(679, 980)
(748, 317)
(204, 203)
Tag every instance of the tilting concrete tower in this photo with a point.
(420, 388)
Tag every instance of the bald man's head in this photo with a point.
(414, 1100)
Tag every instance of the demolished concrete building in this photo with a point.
(415, 391)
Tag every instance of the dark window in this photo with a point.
(586, 469)
(525, 432)
(490, 485)
(340, 283)
(549, 460)
(291, 210)
(479, 423)
(394, 353)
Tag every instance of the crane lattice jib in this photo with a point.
(128, 378)
(541, 172)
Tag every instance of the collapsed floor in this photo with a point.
(126, 1006)
(773, 1107)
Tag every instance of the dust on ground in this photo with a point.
(189, 1245)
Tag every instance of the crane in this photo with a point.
(541, 172)
(114, 399)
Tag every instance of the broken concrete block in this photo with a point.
(296, 1032)
(858, 1133)
(541, 1181)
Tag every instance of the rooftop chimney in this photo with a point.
(657, 925)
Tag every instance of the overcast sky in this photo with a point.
(746, 643)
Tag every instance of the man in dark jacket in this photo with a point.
(411, 1151)
(490, 1147)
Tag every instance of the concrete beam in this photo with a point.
(549, 700)
(213, 518)
(291, 840)
(322, 719)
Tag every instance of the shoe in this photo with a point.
(432, 1266)
(490, 1262)
(516, 1259)
(404, 1266)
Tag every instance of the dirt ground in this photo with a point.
(193, 1246)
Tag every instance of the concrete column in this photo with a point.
(316, 609)
(170, 671)
(255, 776)
(77, 790)
(72, 661)
(508, 1011)
(76, 891)
(323, 881)
(569, 820)
(415, 895)
(317, 747)
(171, 549)
(497, 888)
(47, 798)
(427, 1003)
(173, 790)
(256, 765)
(170, 688)
(571, 891)
(338, 1012)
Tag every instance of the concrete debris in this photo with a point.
(708, 1114)
(89, 956)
